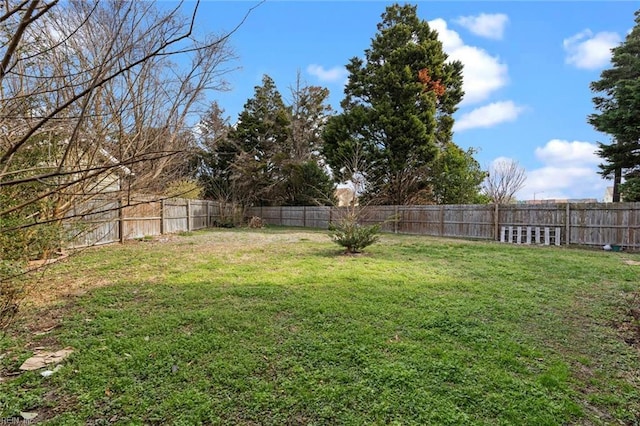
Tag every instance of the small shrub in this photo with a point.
(256, 222)
(352, 236)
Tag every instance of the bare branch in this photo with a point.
(505, 179)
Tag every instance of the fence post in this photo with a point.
(121, 220)
(496, 222)
(162, 230)
(396, 219)
(441, 221)
(304, 216)
(188, 215)
(567, 224)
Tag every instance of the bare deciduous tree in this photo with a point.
(505, 178)
(309, 113)
(95, 102)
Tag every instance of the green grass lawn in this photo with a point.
(277, 327)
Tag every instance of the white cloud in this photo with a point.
(569, 170)
(483, 73)
(337, 74)
(488, 116)
(590, 51)
(561, 152)
(485, 25)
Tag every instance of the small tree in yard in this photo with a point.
(354, 237)
(348, 232)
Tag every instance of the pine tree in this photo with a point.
(262, 137)
(618, 104)
(397, 110)
(215, 155)
(272, 153)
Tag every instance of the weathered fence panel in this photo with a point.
(269, 215)
(175, 216)
(420, 220)
(107, 221)
(141, 217)
(93, 222)
(198, 214)
(383, 215)
(468, 221)
(596, 224)
(599, 224)
(292, 216)
(318, 217)
(593, 224)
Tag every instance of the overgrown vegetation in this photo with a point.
(23, 240)
(95, 107)
(276, 327)
(185, 188)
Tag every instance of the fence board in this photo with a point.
(175, 216)
(318, 217)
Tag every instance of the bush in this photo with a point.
(352, 236)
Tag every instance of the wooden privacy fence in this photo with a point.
(593, 224)
(108, 221)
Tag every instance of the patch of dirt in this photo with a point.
(46, 320)
(629, 325)
(632, 262)
(55, 288)
(55, 404)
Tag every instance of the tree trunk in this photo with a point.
(617, 179)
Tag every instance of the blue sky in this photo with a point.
(527, 71)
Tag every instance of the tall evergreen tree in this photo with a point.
(397, 110)
(271, 156)
(618, 103)
(262, 137)
(215, 155)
